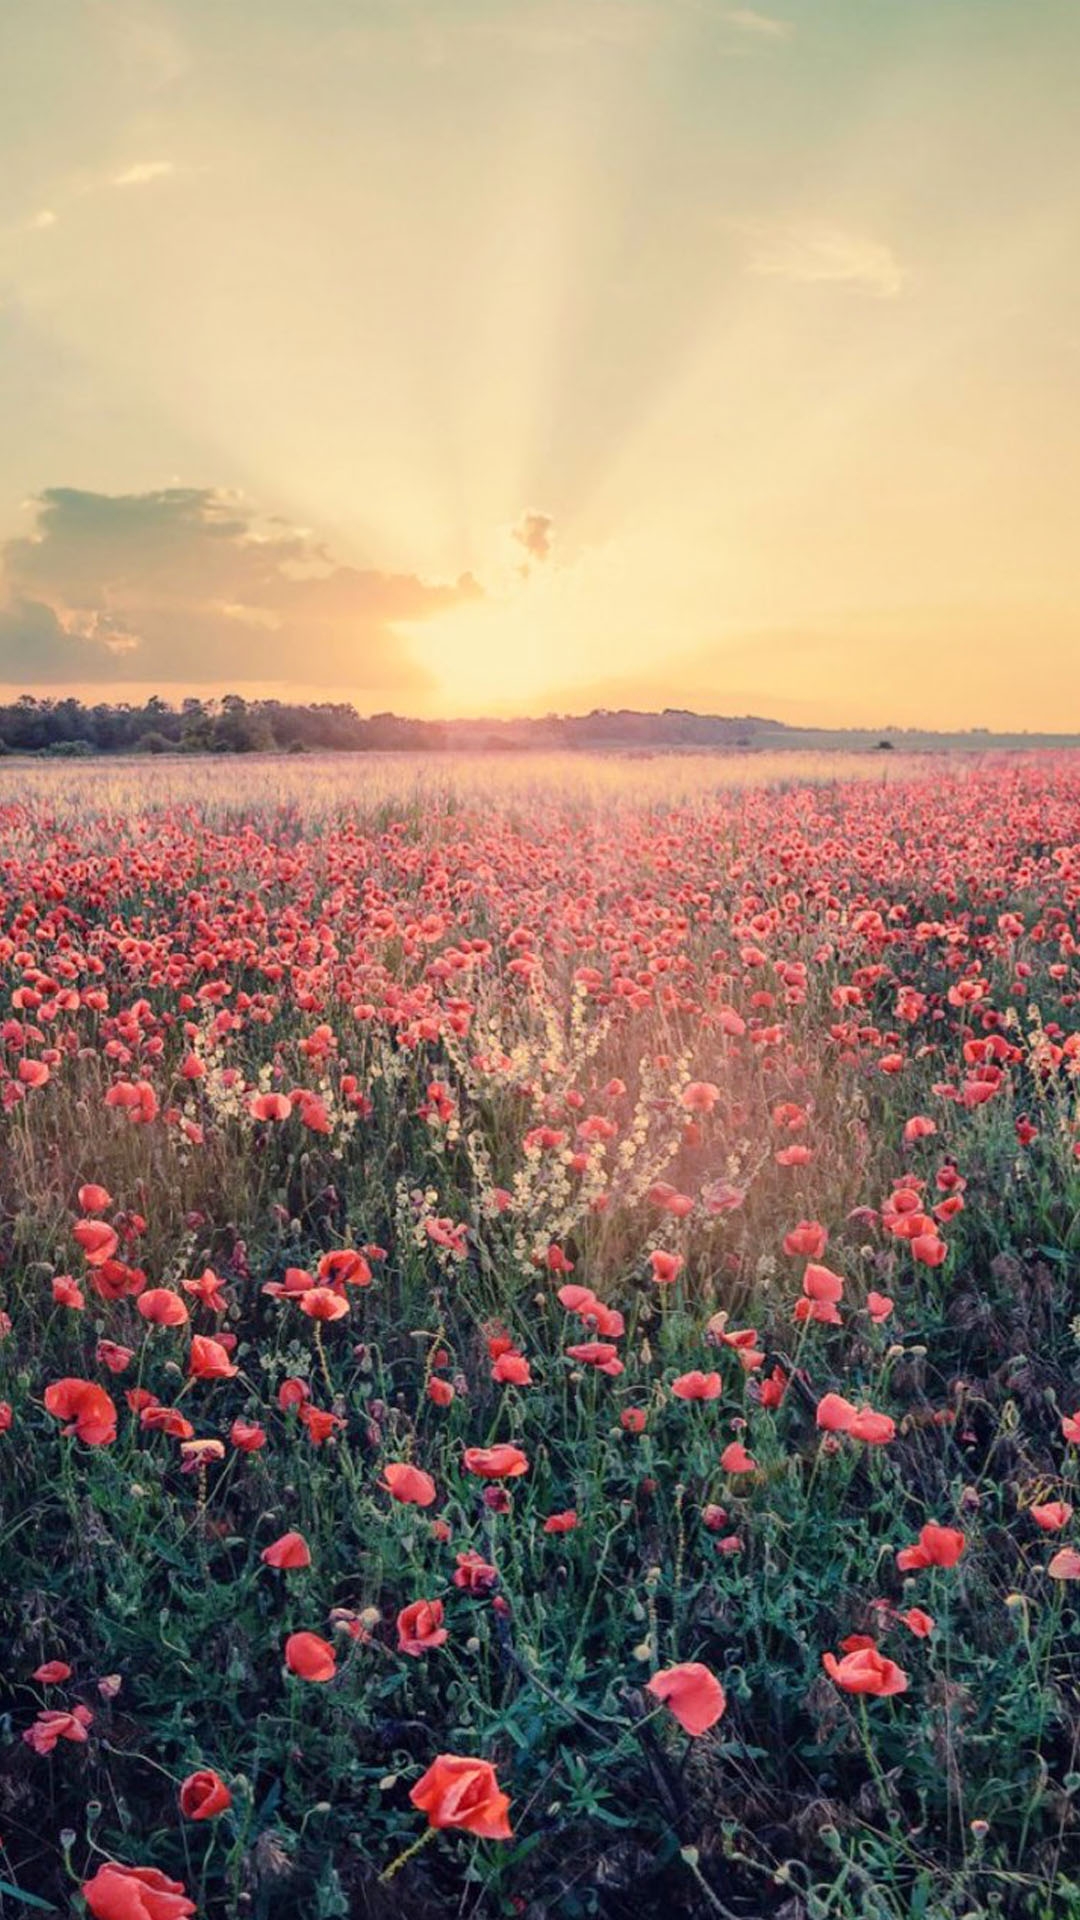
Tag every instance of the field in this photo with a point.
(540, 1339)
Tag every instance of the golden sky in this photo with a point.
(465, 356)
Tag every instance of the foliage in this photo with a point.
(501, 1055)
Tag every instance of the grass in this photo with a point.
(488, 1000)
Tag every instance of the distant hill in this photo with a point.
(234, 725)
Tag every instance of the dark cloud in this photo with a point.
(535, 532)
(185, 586)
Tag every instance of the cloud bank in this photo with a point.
(186, 586)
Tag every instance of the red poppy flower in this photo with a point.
(1052, 1516)
(87, 1408)
(94, 1198)
(97, 1240)
(865, 1670)
(52, 1673)
(420, 1627)
(691, 1693)
(697, 1386)
(474, 1574)
(119, 1892)
(209, 1360)
(203, 1795)
(495, 1463)
(935, 1547)
(322, 1303)
(411, 1485)
(291, 1550)
(310, 1657)
(561, 1522)
(666, 1267)
(55, 1723)
(458, 1792)
(163, 1307)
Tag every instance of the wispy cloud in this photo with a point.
(142, 172)
(535, 532)
(186, 585)
(823, 255)
(39, 222)
(764, 25)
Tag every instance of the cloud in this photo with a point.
(39, 222)
(185, 586)
(534, 531)
(763, 25)
(142, 172)
(823, 255)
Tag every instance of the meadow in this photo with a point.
(540, 1338)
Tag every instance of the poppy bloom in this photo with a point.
(54, 1723)
(411, 1485)
(700, 1096)
(119, 1892)
(837, 1415)
(1065, 1564)
(291, 1550)
(458, 1792)
(52, 1673)
(163, 1307)
(935, 1547)
(822, 1290)
(318, 1423)
(474, 1574)
(292, 1393)
(865, 1670)
(512, 1369)
(633, 1419)
(420, 1627)
(97, 1240)
(209, 1360)
(495, 1463)
(599, 1354)
(170, 1420)
(247, 1435)
(561, 1522)
(344, 1268)
(691, 1693)
(666, 1267)
(94, 1198)
(203, 1795)
(440, 1392)
(322, 1303)
(87, 1408)
(270, 1106)
(1054, 1515)
(809, 1239)
(917, 1622)
(1070, 1427)
(110, 1354)
(697, 1386)
(735, 1458)
(66, 1293)
(310, 1657)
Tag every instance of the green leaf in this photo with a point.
(28, 1899)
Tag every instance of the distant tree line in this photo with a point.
(66, 727)
(235, 725)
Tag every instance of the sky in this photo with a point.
(515, 356)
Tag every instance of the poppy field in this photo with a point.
(540, 1347)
